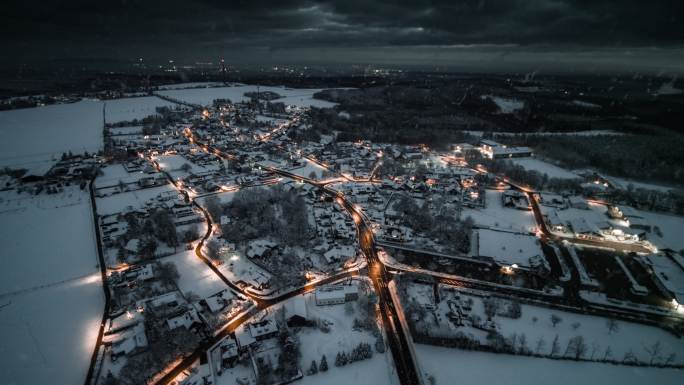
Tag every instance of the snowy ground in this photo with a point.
(127, 109)
(648, 186)
(136, 199)
(542, 167)
(195, 275)
(476, 368)
(51, 298)
(535, 324)
(497, 216)
(308, 168)
(32, 135)
(113, 173)
(670, 226)
(506, 105)
(508, 248)
(205, 96)
(379, 370)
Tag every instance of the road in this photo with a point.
(397, 340)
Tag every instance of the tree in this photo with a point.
(629, 357)
(213, 250)
(186, 167)
(349, 308)
(164, 228)
(341, 359)
(146, 247)
(214, 208)
(324, 364)
(555, 346)
(555, 320)
(607, 353)
(313, 369)
(191, 234)
(575, 325)
(576, 347)
(540, 345)
(654, 352)
(612, 326)
(491, 307)
(670, 359)
(522, 344)
(379, 344)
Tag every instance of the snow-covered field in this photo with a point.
(126, 109)
(34, 135)
(205, 96)
(535, 324)
(308, 168)
(454, 366)
(508, 248)
(51, 298)
(506, 105)
(497, 216)
(195, 275)
(136, 199)
(378, 370)
(670, 226)
(542, 167)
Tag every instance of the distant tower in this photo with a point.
(224, 71)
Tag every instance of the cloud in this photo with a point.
(62, 28)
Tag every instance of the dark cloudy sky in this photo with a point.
(441, 32)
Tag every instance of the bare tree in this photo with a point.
(612, 326)
(629, 357)
(576, 347)
(608, 353)
(594, 348)
(540, 345)
(654, 352)
(670, 359)
(555, 346)
(555, 320)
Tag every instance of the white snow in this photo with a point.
(476, 368)
(51, 298)
(195, 275)
(542, 167)
(136, 199)
(38, 134)
(205, 96)
(506, 105)
(497, 216)
(508, 248)
(126, 109)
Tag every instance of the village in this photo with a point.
(231, 245)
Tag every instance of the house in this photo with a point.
(336, 294)
(668, 275)
(183, 318)
(338, 252)
(250, 333)
(578, 202)
(295, 312)
(134, 342)
(229, 352)
(494, 150)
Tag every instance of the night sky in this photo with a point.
(574, 33)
